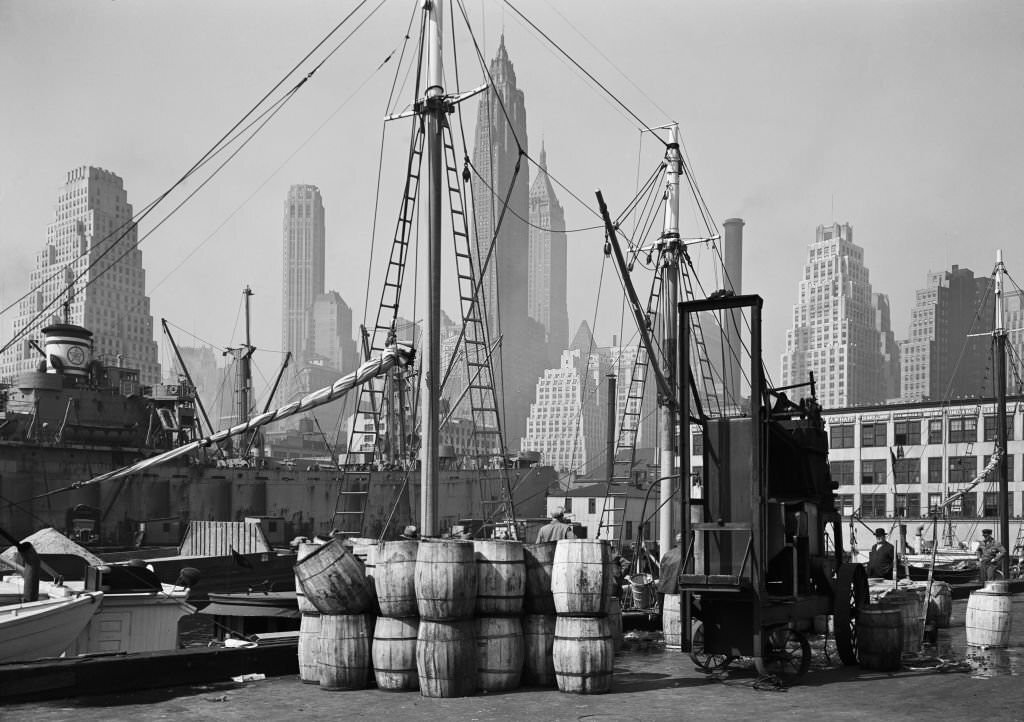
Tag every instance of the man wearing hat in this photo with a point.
(882, 556)
(990, 556)
(555, 529)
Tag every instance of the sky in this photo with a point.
(901, 118)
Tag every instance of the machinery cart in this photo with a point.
(764, 554)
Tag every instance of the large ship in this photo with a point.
(74, 419)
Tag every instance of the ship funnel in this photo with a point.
(68, 349)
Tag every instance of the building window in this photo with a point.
(873, 505)
(845, 504)
(962, 469)
(964, 429)
(934, 500)
(990, 427)
(990, 503)
(872, 471)
(907, 471)
(907, 433)
(591, 506)
(964, 506)
(568, 505)
(935, 431)
(935, 470)
(842, 472)
(908, 505)
(874, 434)
(697, 444)
(841, 436)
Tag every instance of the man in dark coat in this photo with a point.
(882, 556)
(557, 528)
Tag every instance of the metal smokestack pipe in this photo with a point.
(732, 260)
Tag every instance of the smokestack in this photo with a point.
(732, 259)
(732, 253)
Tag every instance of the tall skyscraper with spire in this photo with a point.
(500, 134)
(547, 271)
(834, 333)
(90, 273)
(302, 267)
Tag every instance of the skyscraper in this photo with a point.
(500, 133)
(302, 267)
(90, 273)
(833, 331)
(940, 360)
(567, 422)
(547, 271)
(887, 346)
(332, 332)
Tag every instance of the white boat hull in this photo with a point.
(33, 630)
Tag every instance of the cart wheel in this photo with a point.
(707, 662)
(851, 595)
(787, 654)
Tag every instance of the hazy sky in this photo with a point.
(902, 118)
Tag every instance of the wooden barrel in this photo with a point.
(642, 588)
(501, 577)
(615, 618)
(395, 578)
(499, 653)
(538, 641)
(309, 648)
(344, 651)
(334, 580)
(579, 581)
(911, 606)
(303, 551)
(446, 658)
(445, 580)
(940, 604)
(988, 617)
(538, 559)
(672, 622)
(583, 654)
(880, 637)
(394, 653)
(366, 550)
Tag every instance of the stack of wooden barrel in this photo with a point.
(309, 627)
(334, 581)
(446, 585)
(501, 583)
(539, 617)
(457, 616)
(394, 636)
(582, 584)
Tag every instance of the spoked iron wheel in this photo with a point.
(851, 596)
(706, 661)
(787, 654)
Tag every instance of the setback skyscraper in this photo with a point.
(834, 333)
(547, 275)
(500, 132)
(90, 273)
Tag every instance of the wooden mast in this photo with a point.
(669, 323)
(1001, 430)
(433, 109)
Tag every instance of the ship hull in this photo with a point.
(165, 498)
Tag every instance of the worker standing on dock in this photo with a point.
(555, 529)
(882, 556)
(990, 555)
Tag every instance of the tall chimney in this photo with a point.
(732, 259)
